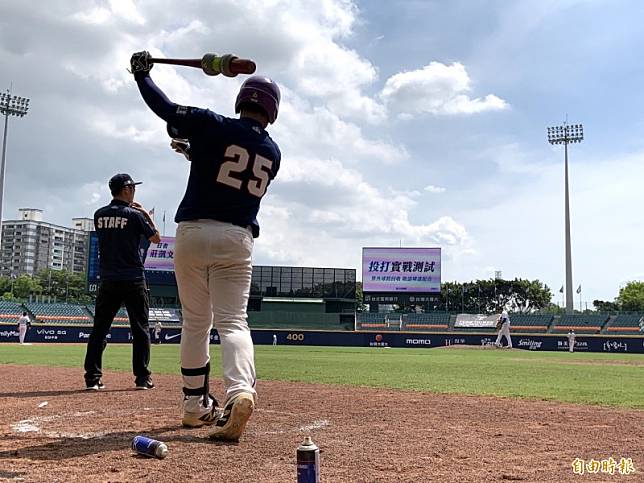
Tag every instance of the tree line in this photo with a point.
(629, 299)
(518, 295)
(486, 296)
(47, 286)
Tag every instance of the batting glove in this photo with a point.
(141, 62)
(181, 146)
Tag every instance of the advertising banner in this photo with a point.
(476, 320)
(172, 335)
(161, 255)
(159, 258)
(413, 270)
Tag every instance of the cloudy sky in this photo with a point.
(413, 123)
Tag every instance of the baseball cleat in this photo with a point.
(94, 386)
(145, 385)
(195, 415)
(233, 422)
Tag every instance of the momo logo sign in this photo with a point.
(418, 342)
(530, 344)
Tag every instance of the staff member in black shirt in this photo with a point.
(121, 227)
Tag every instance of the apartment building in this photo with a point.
(30, 244)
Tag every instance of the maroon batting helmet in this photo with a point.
(262, 92)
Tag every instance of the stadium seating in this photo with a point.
(121, 318)
(10, 312)
(295, 320)
(580, 323)
(530, 322)
(426, 322)
(370, 321)
(627, 324)
(59, 313)
(70, 314)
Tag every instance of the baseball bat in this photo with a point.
(229, 67)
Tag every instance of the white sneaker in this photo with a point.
(195, 414)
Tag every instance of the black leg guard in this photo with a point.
(203, 391)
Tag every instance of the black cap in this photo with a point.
(120, 181)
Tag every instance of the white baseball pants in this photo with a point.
(505, 331)
(22, 331)
(213, 267)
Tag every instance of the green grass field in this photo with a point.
(587, 378)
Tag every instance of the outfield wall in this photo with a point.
(545, 342)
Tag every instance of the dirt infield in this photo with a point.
(366, 435)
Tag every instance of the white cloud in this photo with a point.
(306, 130)
(436, 89)
(97, 15)
(337, 75)
(435, 189)
(123, 9)
(314, 215)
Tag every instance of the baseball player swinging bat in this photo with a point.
(217, 222)
(213, 64)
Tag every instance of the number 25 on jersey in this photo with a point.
(236, 161)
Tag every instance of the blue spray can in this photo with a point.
(149, 447)
(308, 462)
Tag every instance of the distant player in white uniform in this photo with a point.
(274, 339)
(157, 332)
(504, 321)
(571, 340)
(23, 322)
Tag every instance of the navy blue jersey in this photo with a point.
(120, 231)
(233, 160)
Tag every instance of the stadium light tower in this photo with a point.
(9, 106)
(567, 134)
